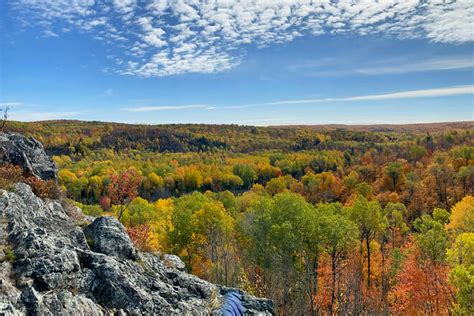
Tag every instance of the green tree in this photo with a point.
(246, 173)
(339, 235)
(181, 236)
(369, 217)
(140, 212)
(394, 172)
(431, 237)
(461, 258)
(287, 233)
(215, 226)
(395, 213)
(416, 153)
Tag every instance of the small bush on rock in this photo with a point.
(44, 189)
(10, 175)
(8, 255)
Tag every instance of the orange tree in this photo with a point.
(123, 188)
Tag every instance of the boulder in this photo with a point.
(28, 153)
(174, 261)
(108, 236)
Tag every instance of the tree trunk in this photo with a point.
(384, 282)
(367, 242)
(286, 285)
(315, 282)
(358, 280)
(333, 290)
(312, 276)
(393, 238)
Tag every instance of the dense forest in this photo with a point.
(322, 219)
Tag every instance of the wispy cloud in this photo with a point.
(343, 66)
(427, 93)
(167, 108)
(49, 33)
(265, 121)
(420, 66)
(168, 37)
(4, 104)
(411, 94)
(440, 92)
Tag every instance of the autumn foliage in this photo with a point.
(422, 287)
(10, 175)
(123, 188)
(369, 220)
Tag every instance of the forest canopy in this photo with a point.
(322, 219)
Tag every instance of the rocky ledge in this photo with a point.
(56, 270)
(51, 266)
(28, 153)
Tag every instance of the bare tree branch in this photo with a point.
(4, 117)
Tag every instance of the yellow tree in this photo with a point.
(215, 226)
(462, 216)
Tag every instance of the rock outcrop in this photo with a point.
(51, 266)
(108, 236)
(57, 270)
(28, 153)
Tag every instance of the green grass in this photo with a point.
(8, 255)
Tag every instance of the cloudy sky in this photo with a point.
(261, 62)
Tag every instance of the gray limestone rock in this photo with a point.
(108, 236)
(28, 153)
(57, 272)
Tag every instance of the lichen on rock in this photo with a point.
(27, 153)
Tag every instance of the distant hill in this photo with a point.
(64, 136)
(416, 127)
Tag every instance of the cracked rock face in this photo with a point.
(29, 154)
(56, 272)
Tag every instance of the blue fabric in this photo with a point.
(233, 305)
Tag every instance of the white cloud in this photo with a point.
(412, 94)
(344, 66)
(170, 37)
(427, 93)
(10, 104)
(165, 108)
(154, 38)
(441, 92)
(124, 6)
(49, 33)
(421, 65)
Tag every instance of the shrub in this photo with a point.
(105, 203)
(91, 210)
(8, 255)
(10, 175)
(44, 189)
(141, 236)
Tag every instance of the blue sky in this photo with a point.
(247, 62)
